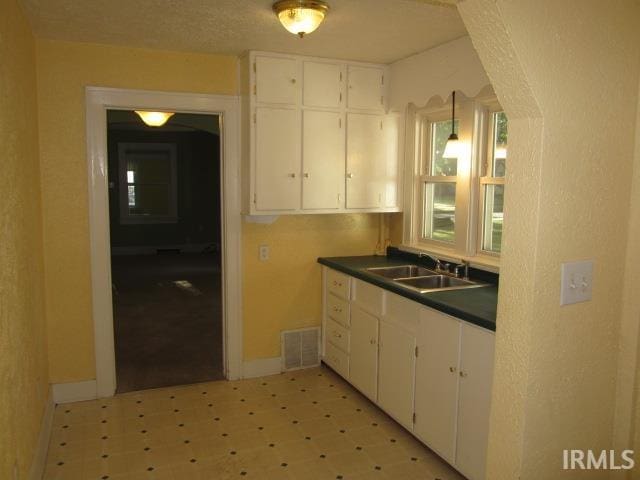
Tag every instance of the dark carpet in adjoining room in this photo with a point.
(167, 319)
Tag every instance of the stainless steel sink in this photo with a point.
(437, 283)
(402, 271)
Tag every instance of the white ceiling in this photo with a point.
(367, 30)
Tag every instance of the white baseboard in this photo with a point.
(262, 367)
(74, 392)
(40, 455)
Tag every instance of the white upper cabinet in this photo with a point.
(286, 89)
(322, 84)
(322, 160)
(365, 88)
(366, 157)
(474, 402)
(277, 80)
(277, 159)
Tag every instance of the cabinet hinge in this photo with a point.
(340, 97)
(381, 100)
(340, 123)
(414, 418)
(254, 118)
(255, 198)
(382, 79)
(255, 89)
(254, 67)
(416, 351)
(340, 76)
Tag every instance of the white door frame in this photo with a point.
(98, 100)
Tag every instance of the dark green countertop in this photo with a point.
(475, 305)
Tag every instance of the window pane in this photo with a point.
(493, 213)
(149, 167)
(499, 144)
(440, 132)
(150, 200)
(440, 211)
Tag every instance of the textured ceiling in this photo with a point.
(367, 30)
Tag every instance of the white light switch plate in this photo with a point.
(576, 283)
(264, 253)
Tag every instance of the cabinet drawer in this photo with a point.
(337, 335)
(338, 283)
(338, 309)
(368, 297)
(336, 359)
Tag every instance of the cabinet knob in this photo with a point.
(372, 341)
(293, 80)
(463, 374)
(306, 175)
(349, 175)
(452, 369)
(292, 175)
(337, 335)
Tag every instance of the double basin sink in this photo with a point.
(422, 279)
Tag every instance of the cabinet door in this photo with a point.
(322, 159)
(392, 177)
(322, 85)
(363, 368)
(365, 160)
(437, 382)
(396, 373)
(365, 88)
(474, 404)
(277, 80)
(277, 155)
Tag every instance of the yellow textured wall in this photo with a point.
(64, 70)
(285, 291)
(572, 95)
(23, 351)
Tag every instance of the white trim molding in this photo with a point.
(98, 100)
(262, 367)
(74, 391)
(39, 460)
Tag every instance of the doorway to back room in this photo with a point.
(165, 233)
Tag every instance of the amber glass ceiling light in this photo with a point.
(154, 119)
(300, 16)
(452, 148)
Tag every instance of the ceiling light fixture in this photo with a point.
(452, 148)
(154, 119)
(300, 16)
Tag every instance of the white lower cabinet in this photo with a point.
(363, 354)
(474, 400)
(437, 382)
(396, 368)
(430, 371)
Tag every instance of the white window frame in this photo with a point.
(124, 148)
(489, 108)
(473, 117)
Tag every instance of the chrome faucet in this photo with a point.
(463, 264)
(441, 267)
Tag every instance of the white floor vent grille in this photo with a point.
(300, 348)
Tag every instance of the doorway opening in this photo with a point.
(165, 228)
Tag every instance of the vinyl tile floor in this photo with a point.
(308, 424)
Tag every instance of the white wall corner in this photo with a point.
(39, 460)
(262, 367)
(74, 392)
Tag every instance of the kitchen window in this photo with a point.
(457, 207)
